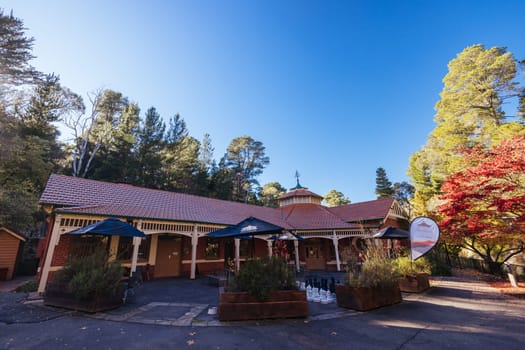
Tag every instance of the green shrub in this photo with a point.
(89, 277)
(377, 270)
(438, 261)
(28, 287)
(406, 267)
(259, 277)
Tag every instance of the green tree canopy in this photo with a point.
(270, 192)
(15, 53)
(384, 187)
(468, 114)
(335, 198)
(150, 145)
(247, 159)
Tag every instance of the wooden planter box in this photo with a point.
(90, 306)
(414, 283)
(363, 299)
(236, 306)
(60, 298)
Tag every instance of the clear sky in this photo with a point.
(333, 89)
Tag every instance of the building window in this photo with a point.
(212, 248)
(144, 248)
(87, 245)
(125, 248)
(244, 247)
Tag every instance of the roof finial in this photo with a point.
(297, 175)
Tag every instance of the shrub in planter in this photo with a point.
(263, 288)
(405, 266)
(413, 274)
(259, 277)
(87, 280)
(374, 286)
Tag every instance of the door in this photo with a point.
(168, 257)
(314, 254)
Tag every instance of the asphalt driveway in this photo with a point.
(456, 313)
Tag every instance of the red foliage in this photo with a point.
(487, 199)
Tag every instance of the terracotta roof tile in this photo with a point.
(86, 196)
(302, 192)
(376, 209)
(97, 197)
(313, 216)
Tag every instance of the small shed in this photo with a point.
(10, 250)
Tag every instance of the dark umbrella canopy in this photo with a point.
(248, 227)
(108, 227)
(392, 232)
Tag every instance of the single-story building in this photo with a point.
(177, 225)
(11, 244)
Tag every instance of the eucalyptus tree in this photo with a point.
(334, 198)
(269, 193)
(247, 159)
(91, 131)
(404, 194)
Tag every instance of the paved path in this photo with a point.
(455, 313)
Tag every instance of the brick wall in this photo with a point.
(62, 250)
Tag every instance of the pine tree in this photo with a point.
(384, 187)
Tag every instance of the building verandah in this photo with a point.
(182, 249)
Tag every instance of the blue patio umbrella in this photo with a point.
(108, 227)
(248, 227)
(392, 233)
(286, 236)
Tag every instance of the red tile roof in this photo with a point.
(78, 195)
(376, 209)
(302, 192)
(313, 216)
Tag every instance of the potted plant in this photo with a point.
(261, 289)
(87, 283)
(413, 274)
(375, 285)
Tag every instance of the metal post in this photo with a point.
(194, 243)
(237, 253)
(336, 248)
(297, 262)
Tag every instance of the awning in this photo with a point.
(108, 227)
(392, 233)
(248, 227)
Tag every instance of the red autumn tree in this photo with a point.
(484, 205)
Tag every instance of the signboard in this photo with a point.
(424, 234)
(249, 228)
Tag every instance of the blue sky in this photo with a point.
(333, 89)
